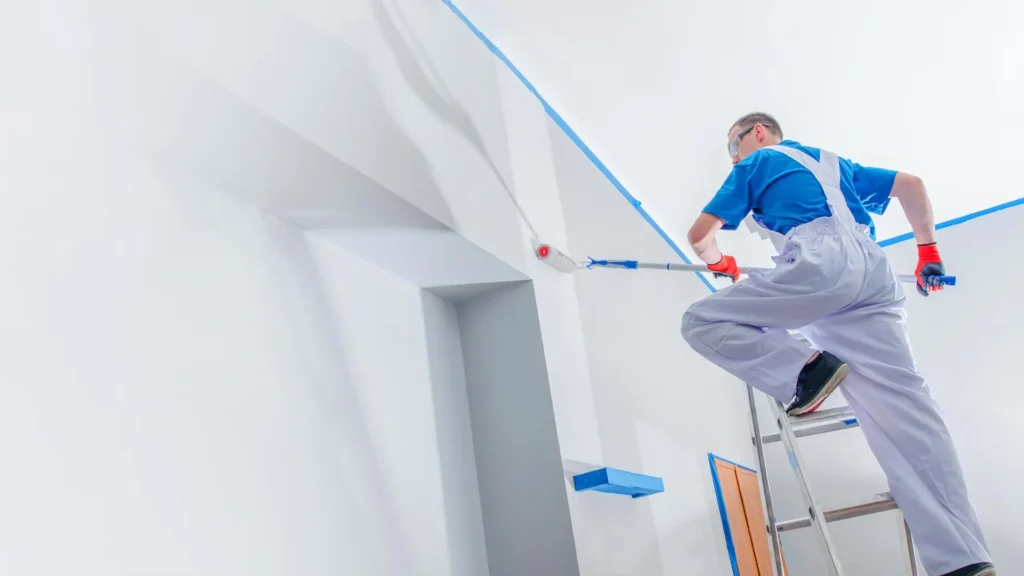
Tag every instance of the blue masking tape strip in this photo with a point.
(955, 221)
(725, 515)
(574, 137)
(748, 469)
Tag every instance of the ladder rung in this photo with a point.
(880, 503)
(818, 422)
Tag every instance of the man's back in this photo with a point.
(783, 194)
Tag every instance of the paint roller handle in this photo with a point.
(634, 264)
(907, 278)
(911, 279)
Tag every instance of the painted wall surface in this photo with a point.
(225, 396)
(177, 390)
(525, 510)
(626, 391)
(652, 87)
(188, 386)
(652, 394)
(409, 386)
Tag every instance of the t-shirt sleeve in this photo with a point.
(873, 186)
(734, 200)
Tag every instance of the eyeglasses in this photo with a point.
(734, 144)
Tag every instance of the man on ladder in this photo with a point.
(835, 285)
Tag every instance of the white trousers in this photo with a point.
(838, 289)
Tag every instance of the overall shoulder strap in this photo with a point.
(826, 172)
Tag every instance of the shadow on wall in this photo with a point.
(460, 491)
(524, 506)
(336, 399)
(206, 126)
(426, 81)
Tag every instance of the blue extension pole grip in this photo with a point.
(948, 280)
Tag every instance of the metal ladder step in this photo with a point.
(818, 422)
(879, 503)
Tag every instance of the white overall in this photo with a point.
(835, 286)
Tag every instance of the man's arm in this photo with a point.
(913, 196)
(702, 237)
(726, 210)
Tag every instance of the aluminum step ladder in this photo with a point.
(791, 428)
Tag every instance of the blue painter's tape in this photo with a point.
(557, 118)
(850, 421)
(615, 481)
(730, 547)
(955, 221)
(720, 459)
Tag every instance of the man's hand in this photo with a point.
(726, 268)
(929, 268)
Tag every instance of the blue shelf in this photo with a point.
(614, 481)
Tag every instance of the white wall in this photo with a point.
(405, 361)
(188, 387)
(626, 391)
(652, 393)
(178, 392)
(652, 87)
(526, 518)
(455, 447)
(229, 399)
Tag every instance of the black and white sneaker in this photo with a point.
(819, 378)
(980, 569)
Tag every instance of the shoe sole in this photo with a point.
(985, 570)
(833, 382)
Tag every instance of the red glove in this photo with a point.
(929, 268)
(726, 268)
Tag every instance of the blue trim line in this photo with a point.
(955, 221)
(725, 516)
(736, 464)
(575, 138)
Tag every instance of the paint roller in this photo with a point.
(563, 263)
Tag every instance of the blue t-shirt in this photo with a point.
(783, 194)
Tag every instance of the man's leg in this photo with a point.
(906, 432)
(744, 328)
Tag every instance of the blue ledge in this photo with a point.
(614, 481)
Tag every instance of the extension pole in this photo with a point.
(634, 265)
